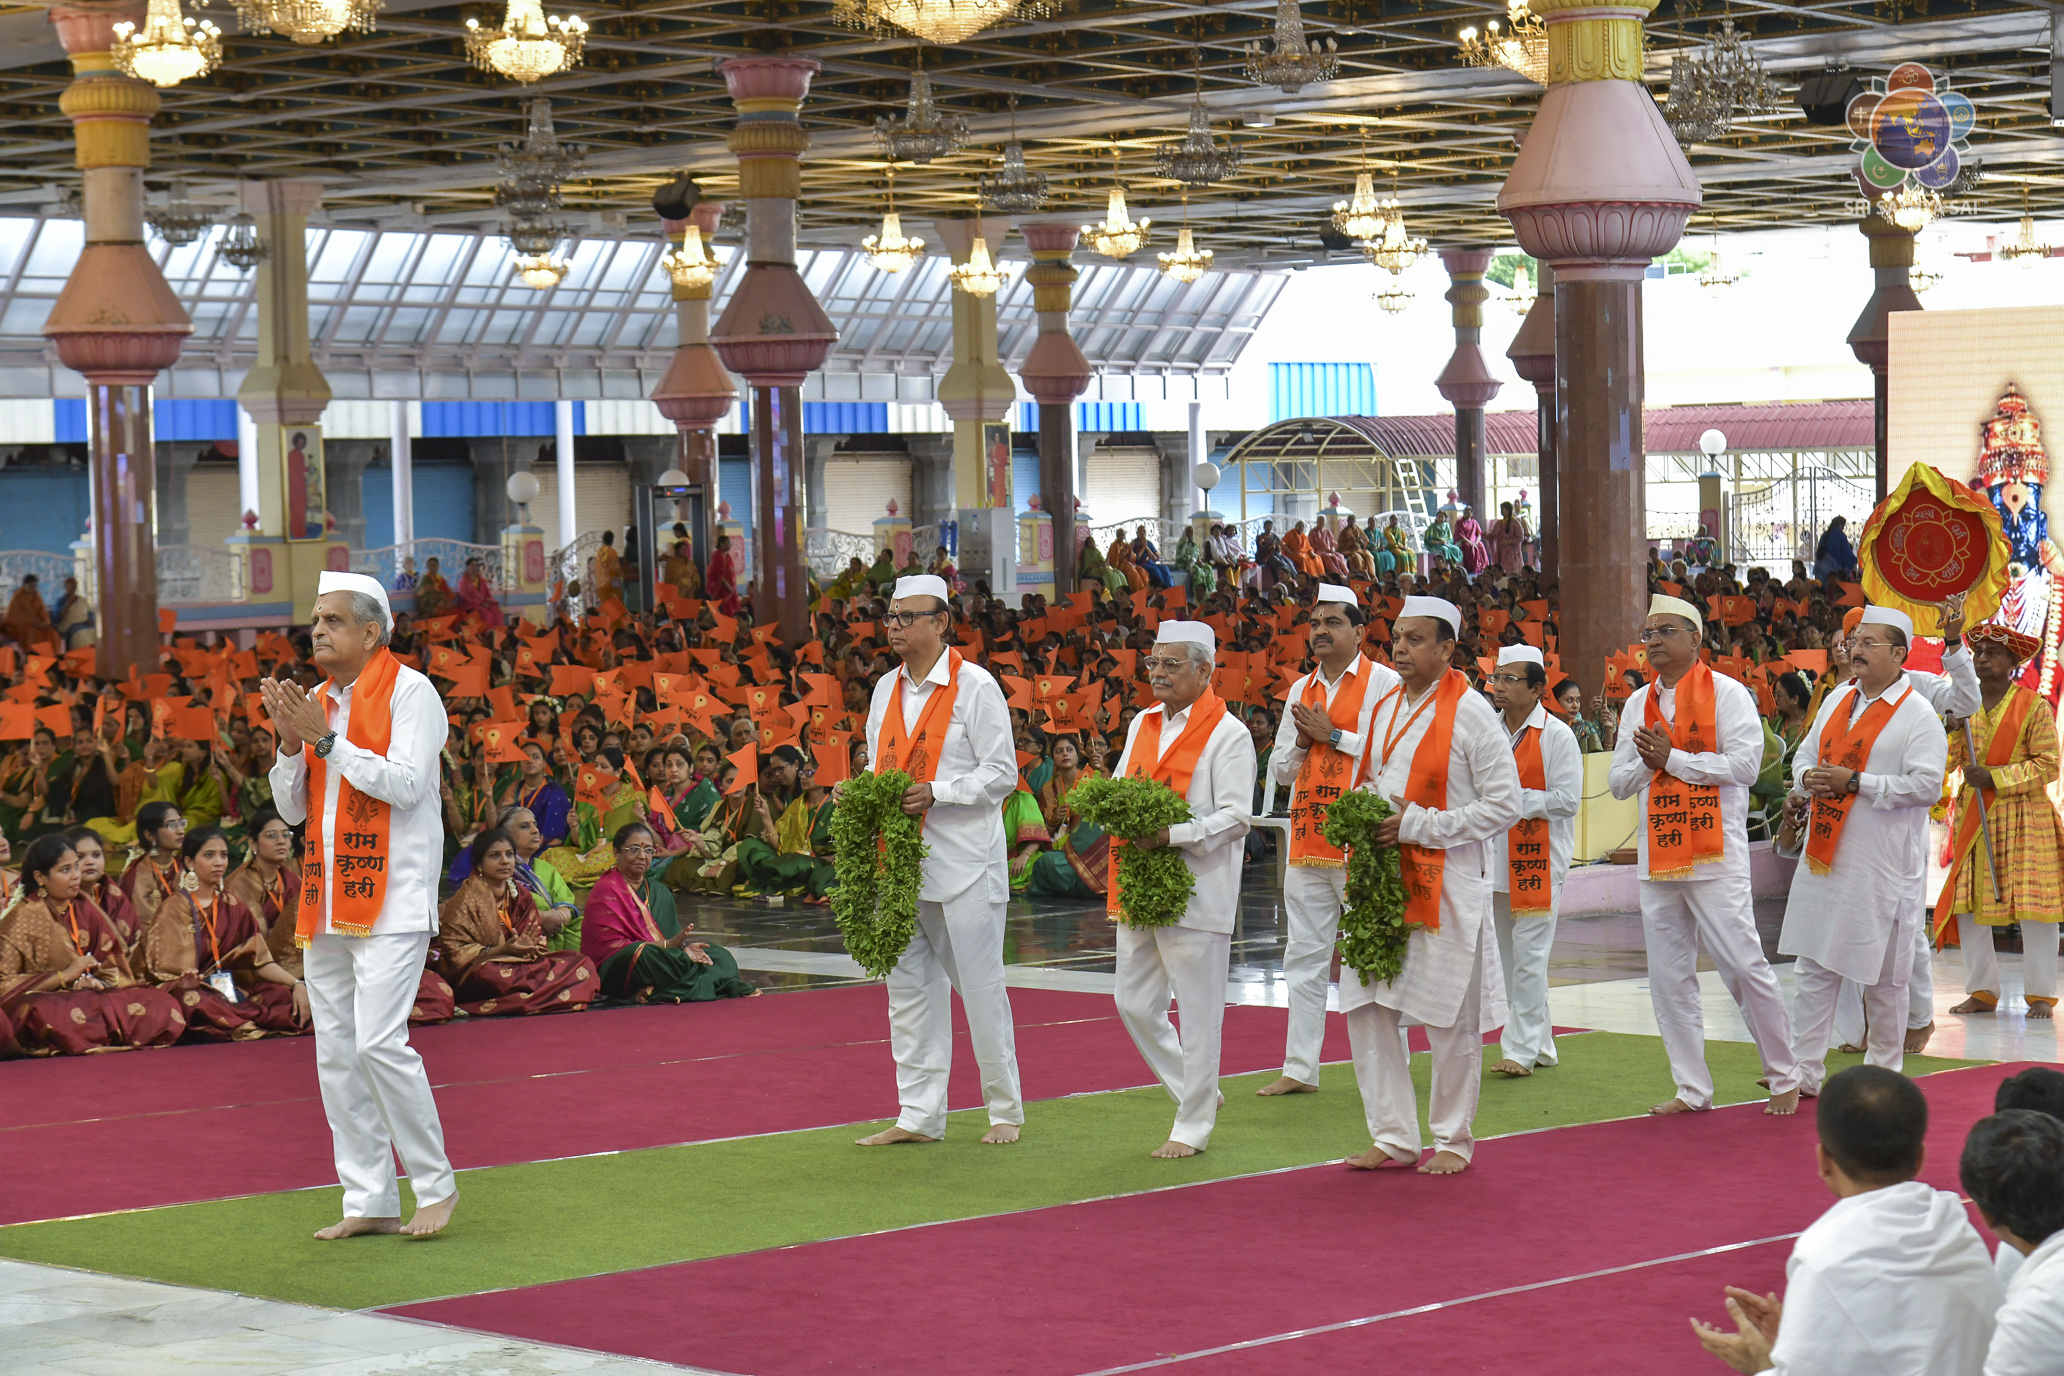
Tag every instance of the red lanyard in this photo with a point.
(1396, 733)
(214, 947)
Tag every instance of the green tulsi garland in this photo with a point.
(878, 854)
(1154, 886)
(1373, 934)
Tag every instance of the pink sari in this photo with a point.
(720, 582)
(477, 598)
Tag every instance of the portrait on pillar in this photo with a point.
(996, 453)
(307, 503)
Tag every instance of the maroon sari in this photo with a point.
(35, 943)
(478, 917)
(184, 943)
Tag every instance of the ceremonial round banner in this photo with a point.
(1929, 540)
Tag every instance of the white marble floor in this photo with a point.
(57, 1322)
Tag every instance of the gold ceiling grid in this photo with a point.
(398, 124)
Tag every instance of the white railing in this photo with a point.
(575, 563)
(385, 563)
(1164, 533)
(199, 574)
(829, 551)
(50, 569)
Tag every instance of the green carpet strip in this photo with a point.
(546, 1221)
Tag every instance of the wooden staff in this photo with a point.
(1984, 824)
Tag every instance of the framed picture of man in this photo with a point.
(307, 501)
(996, 451)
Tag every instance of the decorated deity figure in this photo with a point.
(2013, 469)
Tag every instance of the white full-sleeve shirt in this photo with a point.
(1221, 791)
(1890, 1282)
(976, 773)
(2028, 1333)
(1288, 756)
(1562, 770)
(406, 778)
(1878, 883)
(1732, 768)
(1482, 804)
(1954, 691)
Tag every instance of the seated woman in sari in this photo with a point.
(637, 959)
(1025, 836)
(1148, 560)
(1440, 541)
(1120, 557)
(851, 579)
(156, 873)
(492, 948)
(25, 787)
(28, 619)
(201, 799)
(587, 856)
(558, 914)
(1198, 575)
(477, 598)
(270, 886)
(73, 617)
(65, 981)
(1476, 555)
(1327, 548)
(101, 888)
(1080, 866)
(535, 790)
(720, 580)
(433, 595)
(1091, 570)
(1297, 546)
(1354, 547)
(777, 857)
(207, 950)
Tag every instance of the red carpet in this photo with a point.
(604, 1081)
(1089, 1287)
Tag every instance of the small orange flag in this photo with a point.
(747, 758)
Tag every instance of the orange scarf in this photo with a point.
(1683, 820)
(1326, 772)
(1426, 785)
(918, 754)
(361, 841)
(1999, 751)
(1845, 743)
(1526, 844)
(1173, 768)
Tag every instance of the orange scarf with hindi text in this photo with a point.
(1426, 785)
(360, 883)
(1326, 772)
(917, 753)
(1846, 744)
(1683, 820)
(1526, 844)
(1174, 768)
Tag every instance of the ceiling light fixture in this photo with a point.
(1187, 263)
(540, 272)
(1118, 236)
(978, 276)
(1395, 249)
(178, 221)
(1360, 218)
(307, 22)
(1522, 296)
(534, 171)
(924, 132)
(1913, 208)
(2025, 248)
(1393, 298)
(1197, 160)
(891, 250)
(1294, 63)
(691, 264)
(527, 46)
(943, 22)
(1017, 189)
(169, 47)
(1713, 86)
(240, 246)
(1522, 47)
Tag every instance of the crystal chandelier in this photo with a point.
(1522, 47)
(690, 265)
(1715, 277)
(1912, 208)
(1921, 278)
(978, 276)
(1713, 86)
(923, 133)
(1197, 161)
(533, 172)
(2025, 248)
(178, 221)
(1395, 250)
(890, 250)
(540, 271)
(306, 22)
(527, 45)
(1522, 296)
(535, 243)
(1294, 64)
(169, 48)
(1393, 298)
(240, 246)
(1118, 236)
(1017, 189)
(943, 22)
(1187, 263)
(1361, 218)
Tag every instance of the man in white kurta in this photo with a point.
(1520, 688)
(970, 766)
(1953, 694)
(1189, 957)
(1713, 906)
(1320, 758)
(1892, 1280)
(1450, 981)
(1858, 897)
(2013, 1170)
(360, 988)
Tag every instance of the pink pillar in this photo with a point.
(1467, 382)
(1055, 373)
(1533, 358)
(1891, 260)
(697, 392)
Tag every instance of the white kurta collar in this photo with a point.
(1345, 674)
(940, 674)
(1538, 719)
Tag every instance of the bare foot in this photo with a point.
(1668, 1107)
(431, 1218)
(2038, 1009)
(358, 1227)
(1974, 1005)
(1444, 1163)
(1512, 1068)
(1172, 1149)
(1917, 1039)
(1000, 1133)
(1783, 1105)
(1377, 1159)
(1848, 1049)
(889, 1137)
(1285, 1085)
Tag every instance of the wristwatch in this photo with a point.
(1855, 783)
(323, 746)
(1335, 740)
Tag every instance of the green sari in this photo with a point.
(1024, 836)
(788, 866)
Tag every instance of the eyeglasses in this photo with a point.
(1650, 634)
(635, 850)
(1166, 666)
(1512, 680)
(904, 620)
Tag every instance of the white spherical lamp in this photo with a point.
(1205, 476)
(523, 488)
(1713, 442)
(673, 477)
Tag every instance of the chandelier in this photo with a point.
(943, 22)
(1912, 208)
(306, 22)
(1361, 218)
(1118, 236)
(540, 271)
(923, 133)
(178, 221)
(1522, 48)
(1197, 161)
(1187, 263)
(890, 250)
(1017, 189)
(1714, 277)
(1294, 64)
(169, 48)
(690, 265)
(1711, 87)
(1920, 278)
(533, 172)
(527, 45)
(978, 276)
(1395, 250)
(1393, 298)
(240, 246)
(1522, 296)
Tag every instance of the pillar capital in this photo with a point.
(87, 30)
(288, 197)
(1594, 42)
(1532, 350)
(958, 233)
(1050, 240)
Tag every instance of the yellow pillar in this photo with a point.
(976, 393)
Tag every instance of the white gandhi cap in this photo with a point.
(1520, 654)
(921, 585)
(1333, 592)
(1659, 605)
(1887, 616)
(1187, 633)
(356, 582)
(1439, 608)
